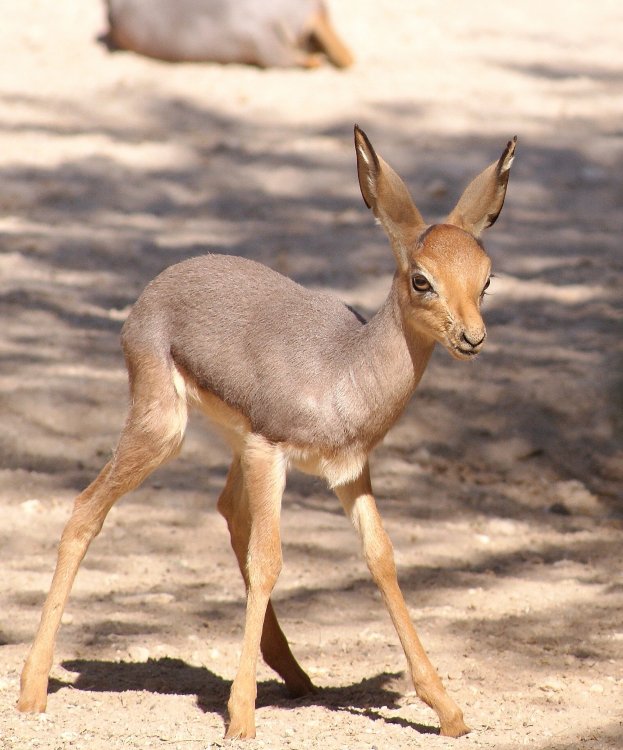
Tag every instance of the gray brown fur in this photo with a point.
(274, 33)
(299, 364)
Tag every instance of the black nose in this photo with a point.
(473, 340)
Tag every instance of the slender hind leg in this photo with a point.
(274, 645)
(153, 433)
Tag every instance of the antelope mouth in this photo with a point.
(459, 352)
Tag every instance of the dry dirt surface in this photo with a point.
(500, 486)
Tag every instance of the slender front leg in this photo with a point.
(263, 471)
(360, 507)
(233, 505)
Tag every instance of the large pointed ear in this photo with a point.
(482, 201)
(386, 194)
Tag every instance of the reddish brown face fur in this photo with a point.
(448, 273)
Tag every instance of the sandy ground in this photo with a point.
(501, 486)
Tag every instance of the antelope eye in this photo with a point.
(421, 283)
(486, 286)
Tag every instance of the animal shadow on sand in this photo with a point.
(167, 676)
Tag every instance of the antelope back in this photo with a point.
(275, 351)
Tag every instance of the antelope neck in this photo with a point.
(392, 358)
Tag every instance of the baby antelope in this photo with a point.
(290, 377)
